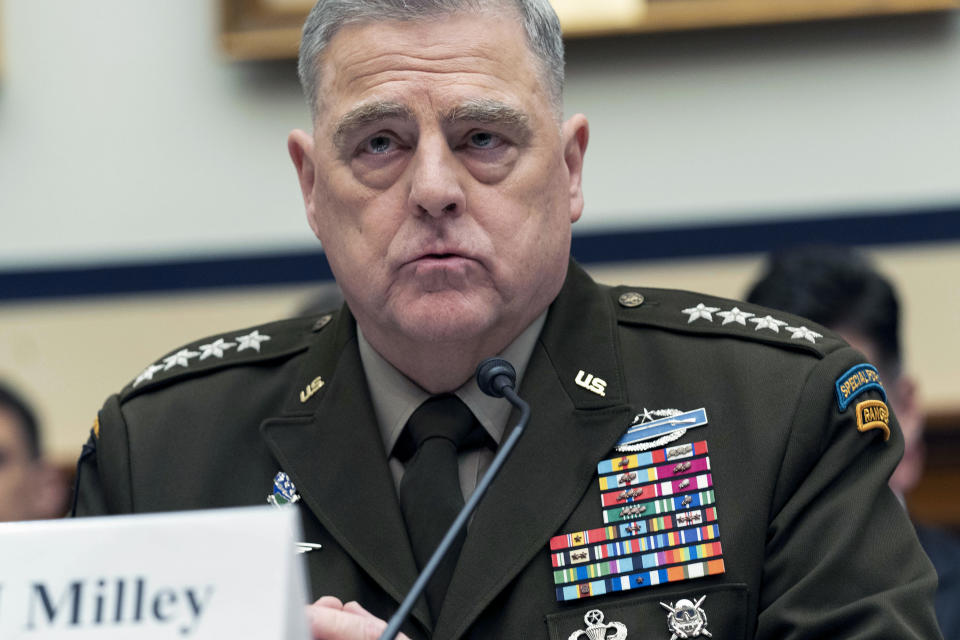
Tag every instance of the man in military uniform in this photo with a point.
(442, 182)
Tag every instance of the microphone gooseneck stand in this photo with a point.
(495, 377)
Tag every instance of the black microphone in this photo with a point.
(494, 375)
(497, 378)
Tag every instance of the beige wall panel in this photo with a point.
(68, 356)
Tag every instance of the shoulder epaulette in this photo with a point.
(689, 312)
(261, 343)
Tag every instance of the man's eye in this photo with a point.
(484, 140)
(379, 144)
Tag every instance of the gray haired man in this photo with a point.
(688, 469)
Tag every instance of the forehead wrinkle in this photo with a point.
(368, 113)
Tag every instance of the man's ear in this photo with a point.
(576, 133)
(300, 146)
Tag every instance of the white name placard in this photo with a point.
(226, 573)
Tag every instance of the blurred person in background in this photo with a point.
(30, 487)
(839, 288)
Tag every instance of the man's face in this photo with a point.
(439, 179)
(16, 465)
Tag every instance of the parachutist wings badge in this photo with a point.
(597, 630)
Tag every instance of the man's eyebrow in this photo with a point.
(486, 111)
(366, 114)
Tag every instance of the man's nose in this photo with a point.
(435, 187)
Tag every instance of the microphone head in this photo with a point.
(493, 374)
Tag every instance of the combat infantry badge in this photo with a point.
(284, 492)
(666, 425)
(686, 619)
(597, 630)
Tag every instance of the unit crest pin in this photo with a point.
(597, 630)
(284, 492)
(687, 619)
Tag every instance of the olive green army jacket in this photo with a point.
(768, 517)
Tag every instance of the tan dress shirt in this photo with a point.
(396, 397)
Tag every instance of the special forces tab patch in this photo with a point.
(873, 414)
(855, 381)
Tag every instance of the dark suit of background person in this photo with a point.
(839, 288)
(442, 183)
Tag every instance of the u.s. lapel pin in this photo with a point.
(687, 619)
(597, 630)
(284, 492)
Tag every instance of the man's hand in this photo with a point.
(330, 619)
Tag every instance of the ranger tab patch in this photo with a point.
(873, 414)
(855, 381)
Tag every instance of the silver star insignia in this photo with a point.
(215, 348)
(701, 311)
(147, 373)
(180, 358)
(768, 322)
(802, 333)
(735, 315)
(251, 341)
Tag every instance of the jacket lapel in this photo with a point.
(332, 450)
(571, 429)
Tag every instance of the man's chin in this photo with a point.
(440, 328)
(445, 317)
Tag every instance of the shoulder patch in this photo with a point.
(873, 414)
(265, 342)
(699, 313)
(855, 381)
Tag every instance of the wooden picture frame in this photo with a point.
(270, 29)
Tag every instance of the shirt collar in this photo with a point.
(396, 397)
